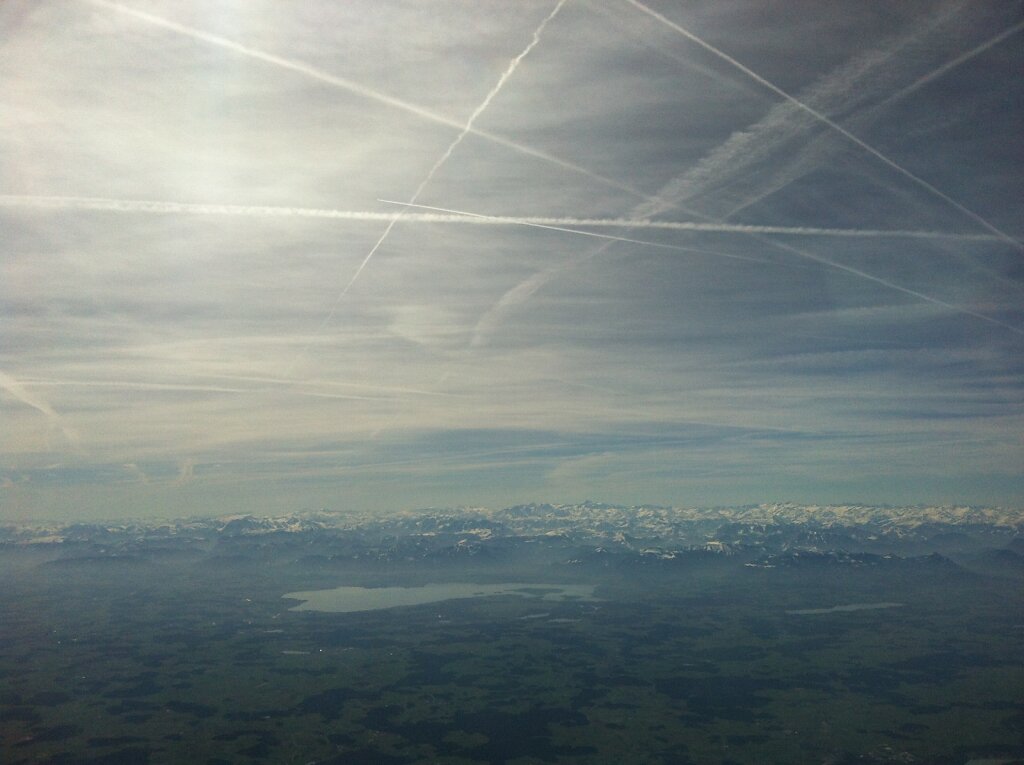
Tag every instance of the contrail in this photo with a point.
(362, 91)
(794, 173)
(437, 165)
(534, 223)
(826, 121)
(509, 70)
(527, 290)
(890, 285)
(751, 146)
(185, 387)
(739, 153)
(843, 89)
(102, 204)
(132, 385)
(513, 64)
(291, 383)
(16, 389)
(953, 64)
(520, 294)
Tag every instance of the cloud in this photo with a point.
(186, 471)
(817, 115)
(137, 472)
(438, 164)
(893, 286)
(743, 155)
(831, 97)
(27, 397)
(180, 214)
(357, 89)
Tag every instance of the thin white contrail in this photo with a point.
(512, 66)
(468, 126)
(533, 223)
(893, 286)
(291, 383)
(751, 146)
(133, 385)
(826, 121)
(847, 269)
(362, 91)
(185, 387)
(509, 70)
(102, 204)
(842, 90)
(741, 151)
(953, 64)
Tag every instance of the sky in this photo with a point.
(261, 256)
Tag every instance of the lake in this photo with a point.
(349, 599)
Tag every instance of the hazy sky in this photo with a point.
(206, 307)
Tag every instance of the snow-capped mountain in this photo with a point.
(766, 535)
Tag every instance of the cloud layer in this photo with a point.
(710, 254)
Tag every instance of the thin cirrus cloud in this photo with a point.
(354, 87)
(643, 253)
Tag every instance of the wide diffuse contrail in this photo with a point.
(18, 390)
(828, 122)
(953, 64)
(101, 204)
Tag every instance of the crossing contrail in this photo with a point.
(509, 70)
(358, 89)
(745, 152)
(826, 121)
(534, 223)
(568, 224)
(818, 259)
(513, 64)
(433, 170)
(816, 149)
(736, 156)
